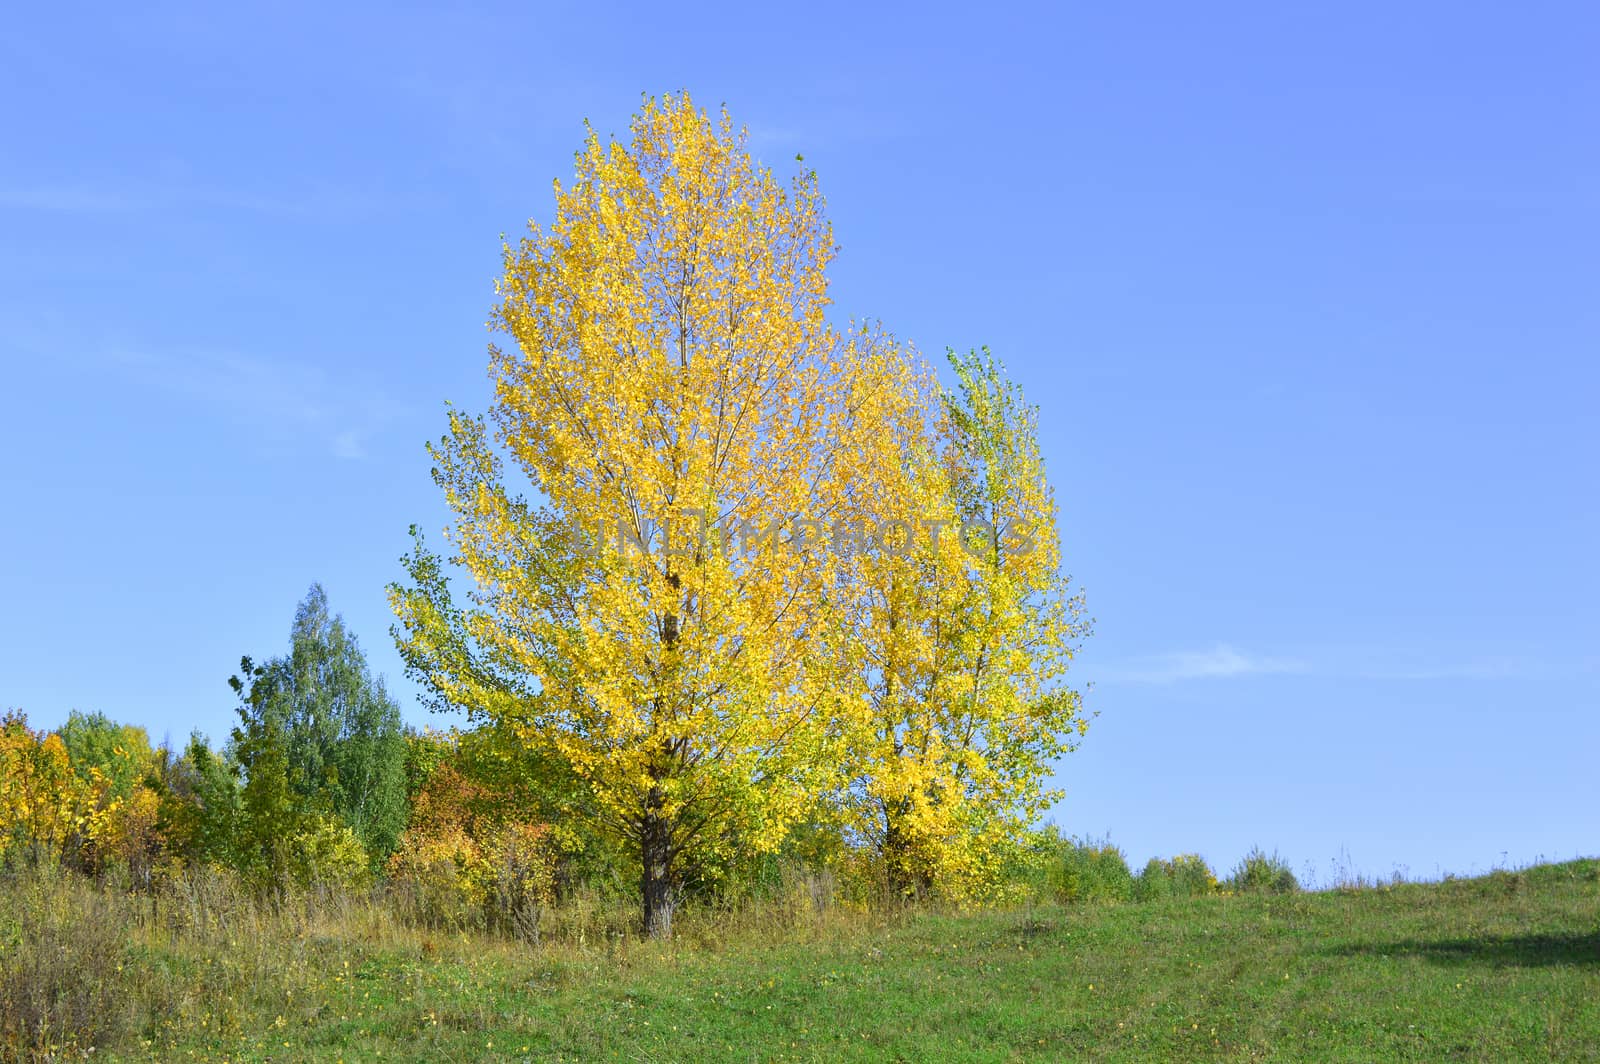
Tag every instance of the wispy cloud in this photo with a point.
(347, 444)
(1220, 661)
(1223, 661)
(277, 399)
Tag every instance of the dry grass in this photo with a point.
(85, 969)
(61, 950)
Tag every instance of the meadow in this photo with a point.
(1502, 967)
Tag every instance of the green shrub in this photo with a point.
(1152, 883)
(1259, 873)
(1184, 876)
(325, 852)
(1077, 872)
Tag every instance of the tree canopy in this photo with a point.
(318, 734)
(694, 518)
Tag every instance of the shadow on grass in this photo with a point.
(1543, 949)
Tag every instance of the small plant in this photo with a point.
(1260, 873)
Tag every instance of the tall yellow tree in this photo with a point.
(965, 626)
(642, 512)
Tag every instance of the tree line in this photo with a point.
(310, 786)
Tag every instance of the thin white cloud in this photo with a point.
(274, 397)
(347, 444)
(1223, 661)
(1219, 662)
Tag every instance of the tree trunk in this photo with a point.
(908, 879)
(655, 835)
(656, 885)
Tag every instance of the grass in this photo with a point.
(1506, 967)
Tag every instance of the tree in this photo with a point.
(117, 770)
(201, 810)
(121, 753)
(271, 813)
(677, 401)
(41, 799)
(289, 830)
(334, 730)
(965, 629)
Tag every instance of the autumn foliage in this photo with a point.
(725, 607)
(43, 806)
(473, 853)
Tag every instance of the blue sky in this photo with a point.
(1308, 299)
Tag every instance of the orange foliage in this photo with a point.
(466, 851)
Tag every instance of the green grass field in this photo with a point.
(1505, 967)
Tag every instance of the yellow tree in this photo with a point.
(965, 627)
(652, 611)
(41, 801)
(123, 829)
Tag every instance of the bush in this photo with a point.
(503, 880)
(1184, 876)
(1152, 883)
(523, 869)
(326, 853)
(1076, 872)
(1258, 873)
